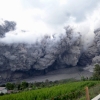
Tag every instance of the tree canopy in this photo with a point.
(96, 73)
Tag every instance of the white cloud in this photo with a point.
(50, 16)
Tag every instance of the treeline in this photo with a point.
(20, 86)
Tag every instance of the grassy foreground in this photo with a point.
(70, 91)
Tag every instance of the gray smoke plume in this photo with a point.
(53, 52)
(18, 60)
(42, 54)
(6, 27)
(92, 54)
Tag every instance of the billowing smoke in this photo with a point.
(49, 35)
(62, 50)
(48, 53)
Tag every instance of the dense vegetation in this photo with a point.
(21, 86)
(96, 74)
(59, 92)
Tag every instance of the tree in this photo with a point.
(24, 85)
(83, 78)
(10, 86)
(96, 73)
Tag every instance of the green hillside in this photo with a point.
(71, 91)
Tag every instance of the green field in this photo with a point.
(70, 91)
